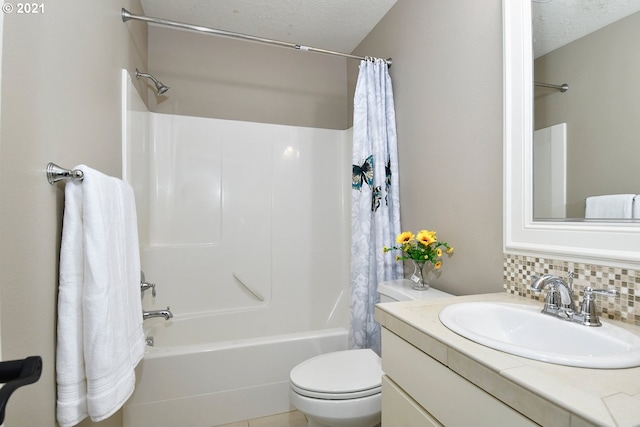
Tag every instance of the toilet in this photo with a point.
(343, 388)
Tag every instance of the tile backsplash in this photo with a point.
(518, 270)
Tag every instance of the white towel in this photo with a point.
(609, 206)
(100, 337)
(636, 207)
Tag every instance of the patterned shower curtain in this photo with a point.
(375, 209)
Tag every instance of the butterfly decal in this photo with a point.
(376, 195)
(387, 174)
(387, 180)
(362, 173)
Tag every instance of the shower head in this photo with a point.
(160, 88)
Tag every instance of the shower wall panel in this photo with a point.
(247, 216)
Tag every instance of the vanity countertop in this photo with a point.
(549, 394)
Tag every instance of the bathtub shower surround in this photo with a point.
(518, 270)
(244, 231)
(247, 216)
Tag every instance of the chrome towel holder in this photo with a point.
(55, 173)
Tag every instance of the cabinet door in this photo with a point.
(444, 394)
(400, 410)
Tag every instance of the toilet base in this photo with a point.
(312, 423)
(360, 412)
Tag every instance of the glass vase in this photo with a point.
(419, 276)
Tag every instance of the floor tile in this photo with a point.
(288, 419)
(237, 424)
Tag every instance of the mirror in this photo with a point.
(586, 137)
(574, 240)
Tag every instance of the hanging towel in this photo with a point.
(609, 206)
(636, 206)
(99, 339)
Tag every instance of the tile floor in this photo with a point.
(288, 419)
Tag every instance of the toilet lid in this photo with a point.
(339, 375)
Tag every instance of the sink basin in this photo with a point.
(523, 331)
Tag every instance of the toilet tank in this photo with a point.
(400, 290)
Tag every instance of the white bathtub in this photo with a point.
(210, 383)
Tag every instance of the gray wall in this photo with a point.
(60, 102)
(447, 76)
(237, 80)
(601, 109)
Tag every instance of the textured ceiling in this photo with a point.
(558, 22)
(338, 25)
(342, 24)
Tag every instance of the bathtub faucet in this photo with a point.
(167, 314)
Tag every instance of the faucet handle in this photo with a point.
(605, 292)
(589, 310)
(571, 276)
(144, 285)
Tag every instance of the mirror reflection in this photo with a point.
(587, 138)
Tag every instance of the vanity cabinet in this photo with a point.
(419, 391)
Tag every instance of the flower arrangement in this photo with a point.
(423, 247)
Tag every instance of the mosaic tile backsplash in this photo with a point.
(518, 270)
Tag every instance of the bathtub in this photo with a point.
(188, 378)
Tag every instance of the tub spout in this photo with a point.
(167, 314)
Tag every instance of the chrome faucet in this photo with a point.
(560, 296)
(167, 314)
(560, 302)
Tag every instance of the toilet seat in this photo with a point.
(336, 396)
(340, 375)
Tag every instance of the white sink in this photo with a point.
(524, 331)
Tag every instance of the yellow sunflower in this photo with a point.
(404, 237)
(426, 237)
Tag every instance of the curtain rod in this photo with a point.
(562, 88)
(126, 16)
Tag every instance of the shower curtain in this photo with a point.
(375, 214)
